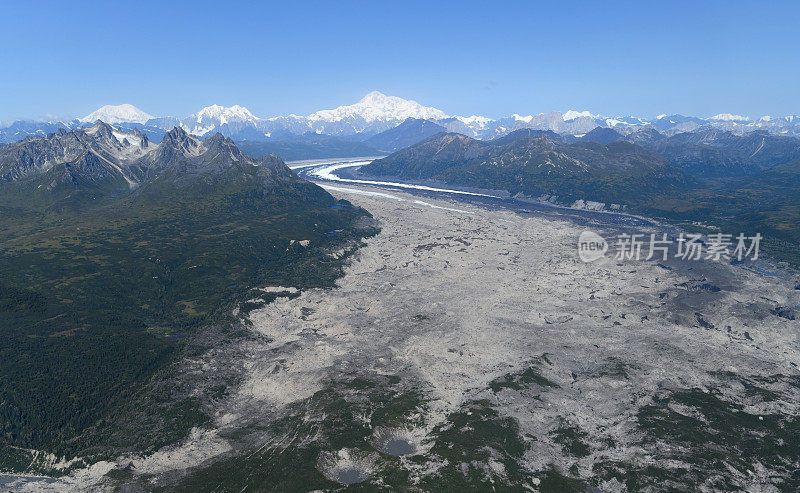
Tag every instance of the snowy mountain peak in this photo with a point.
(520, 118)
(374, 98)
(224, 114)
(122, 113)
(377, 106)
(211, 117)
(479, 121)
(572, 115)
(727, 117)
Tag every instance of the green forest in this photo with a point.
(96, 300)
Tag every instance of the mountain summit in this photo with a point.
(211, 118)
(377, 106)
(122, 113)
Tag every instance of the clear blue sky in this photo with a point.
(494, 59)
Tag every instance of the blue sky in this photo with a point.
(493, 59)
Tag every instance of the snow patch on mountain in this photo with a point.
(572, 115)
(520, 118)
(121, 113)
(474, 120)
(727, 117)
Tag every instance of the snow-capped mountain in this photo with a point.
(377, 106)
(572, 114)
(122, 113)
(625, 120)
(374, 113)
(377, 112)
(474, 120)
(216, 118)
(727, 117)
(571, 122)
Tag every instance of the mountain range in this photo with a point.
(536, 165)
(710, 176)
(114, 252)
(377, 112)
(101, 160)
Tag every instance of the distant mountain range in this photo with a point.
(407, 133)
(377, 112)
(739, 183)
(540, 166)
(514, 161)
(707, 152)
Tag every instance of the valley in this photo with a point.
(703, 180)
(279, 247)
(514, 366)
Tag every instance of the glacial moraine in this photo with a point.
(473, 331)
